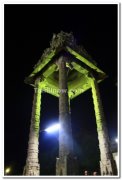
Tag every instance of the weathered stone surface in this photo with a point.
(32, 163)
(107, 163)
(65, 162)
(80, 65)
(67, 165)
(65, 132)
(61, 40)
(31, 170)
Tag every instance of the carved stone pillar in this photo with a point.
(107, 163)
(32, 167)
(65, 162)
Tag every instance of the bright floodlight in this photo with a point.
(116, 140)
(53, 128)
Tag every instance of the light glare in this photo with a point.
(53, 128)
(7, 170)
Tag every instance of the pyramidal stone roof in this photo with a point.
(62, 42)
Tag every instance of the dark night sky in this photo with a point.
(28, 31)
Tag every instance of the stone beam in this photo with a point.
(43, 62)
(84, 60)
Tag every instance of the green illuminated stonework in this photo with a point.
(79, 64)
(107, 162)
(66, 66)
(32, 167)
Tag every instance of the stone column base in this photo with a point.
(108, 168)
(66, 165)
(30, 170)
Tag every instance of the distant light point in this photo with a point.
(7, 170)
